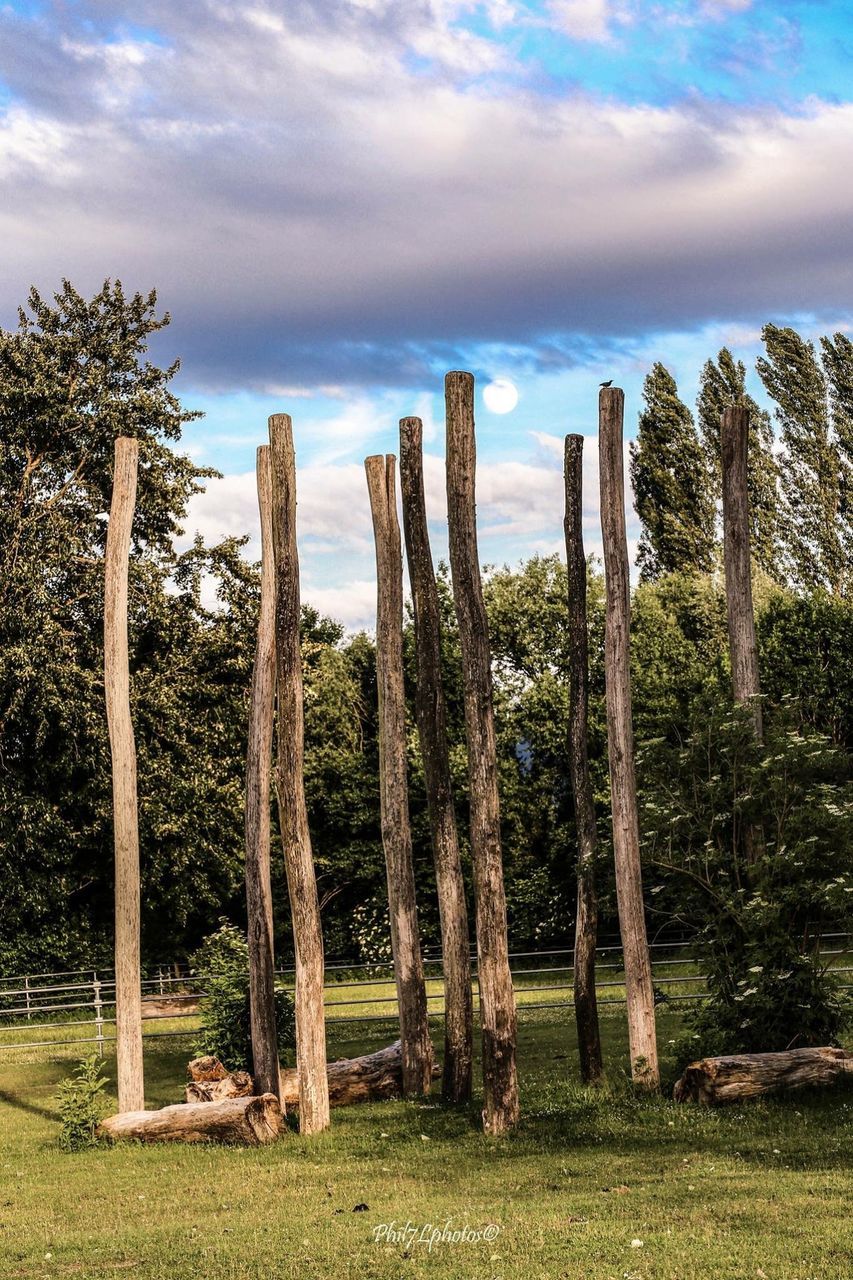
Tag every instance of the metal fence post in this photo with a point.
(27, 994)
(99, 1015)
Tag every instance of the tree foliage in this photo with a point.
(813, 473)
(723, 383)
(671, 483)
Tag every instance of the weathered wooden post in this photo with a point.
(393, 784)
(432, 730)
(497, 1003)
(743, 650)
(258, 771)
(586, 925)
(290, 787)
(734, 433)
(639, 993)
(131, 1096)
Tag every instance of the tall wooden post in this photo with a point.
(393, 785)
(734, 432)
(258, 771)
(432, 731)
(131, 1096)
(497, 1003)
(586, 925)
(290, 786)
(639, 992)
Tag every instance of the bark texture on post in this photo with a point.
(734, 433)
(620, 737)
(129, 1069)
(258, 771)
(497, 1002)
(586, 925)
(290, 787)
(393, 783)
(432, 730)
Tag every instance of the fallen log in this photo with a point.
(248, 1122)
(234, 1084)
(206, 1068)
(738, 1077)
(366, 1079)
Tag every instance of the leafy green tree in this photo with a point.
(805, 649)
(760, 924)
(837, 353)
(723, 383)
(672, 489)
(73, 376)
(812, 471)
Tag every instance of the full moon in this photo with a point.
(500, 396)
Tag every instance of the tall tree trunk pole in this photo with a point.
(734, 432)
(290, 786)
(125, 816)
(432, 730)
(586, 926)
(743, 650)
(497, 1003)
(393, 785)
(639, 992)
(258, 770)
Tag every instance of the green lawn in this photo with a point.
(759, 1191)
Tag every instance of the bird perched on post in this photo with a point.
(606, 384)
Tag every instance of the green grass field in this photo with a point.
(758, 1191)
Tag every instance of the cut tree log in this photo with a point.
(248, 1122)
(366, 1079)
(749, 1075)
(206, 1068)
(234, 1084)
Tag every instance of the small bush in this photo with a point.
(222, 964)
(759, 922)
(80, 1103)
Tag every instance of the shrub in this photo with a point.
(80, 1104)
(222, 964)
(760, 922)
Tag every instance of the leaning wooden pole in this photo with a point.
(497, 1002)
(258, 771)
(129, 1071)
(393, 783)
(734, 438)
(432, 731)
(290, 787)
(586, 924)
(639, 992)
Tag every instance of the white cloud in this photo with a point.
(519, 511)
(583, 19)
(311, 205)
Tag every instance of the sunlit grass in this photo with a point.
(724, 1194)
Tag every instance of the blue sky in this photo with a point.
(338, 200)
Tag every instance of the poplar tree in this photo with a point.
(671, 482)
(838, 366)
(723, 383)
(812, 468)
